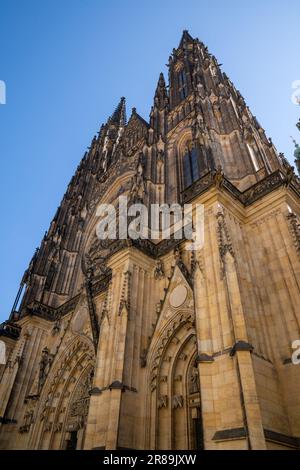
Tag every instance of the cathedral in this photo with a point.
(143, 343)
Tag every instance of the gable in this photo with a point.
(178, 297)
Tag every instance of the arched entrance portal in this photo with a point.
(61, 417)
(77, 412)
(175, 402)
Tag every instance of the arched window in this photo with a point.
(191, 171)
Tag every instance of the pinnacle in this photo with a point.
(186, 37)
(161, 80)
(160, 97)
(119, 115)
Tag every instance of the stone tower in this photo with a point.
(143, 344)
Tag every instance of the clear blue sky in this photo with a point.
(66, 63)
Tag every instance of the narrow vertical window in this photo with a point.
(194, 164)
(187, 171)
(190, 166)
(182, 85)
(253, 157)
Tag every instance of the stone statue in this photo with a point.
(194, 380)
(159, 272)
(45, 365)
(138, 184)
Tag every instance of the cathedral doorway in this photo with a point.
(176, 421)
(75, 423)
(194, 406)
(64, 404)
(72, 441)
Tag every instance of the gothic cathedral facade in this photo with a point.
(143, 344)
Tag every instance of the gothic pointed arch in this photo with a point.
(173, 402)
(60, 416)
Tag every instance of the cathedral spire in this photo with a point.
(180, 70)
(160, 107)
(119, 115)
(185, 39)
(161, 94)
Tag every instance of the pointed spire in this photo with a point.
(185, 38)
(161, 94)
(161, 81)
(119, 115)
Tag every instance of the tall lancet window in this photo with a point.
(253, 157)
(190, 166)
(182, 85)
